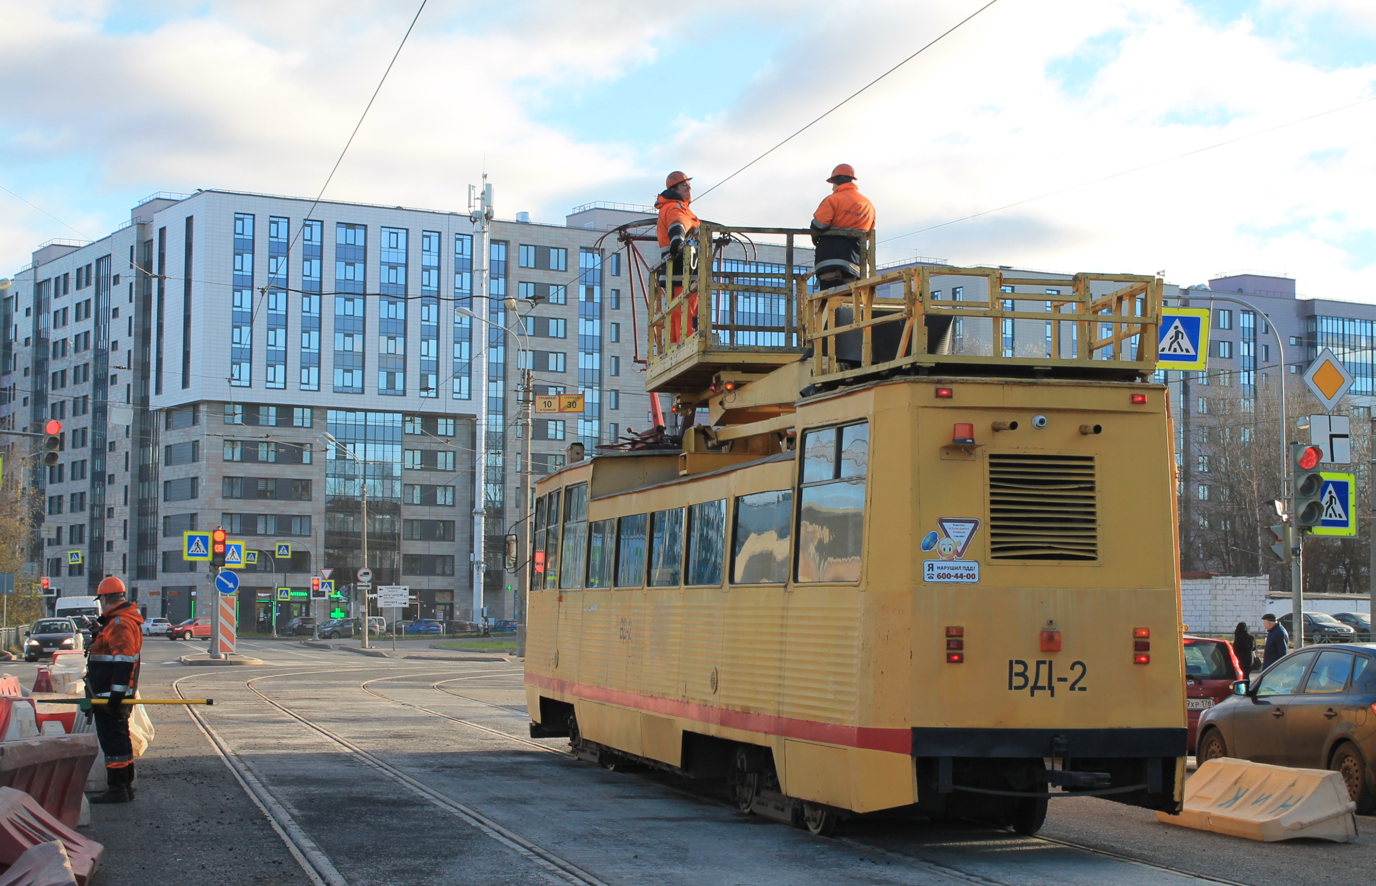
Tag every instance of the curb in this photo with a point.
(207, 661)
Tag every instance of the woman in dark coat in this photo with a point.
(1244, 646)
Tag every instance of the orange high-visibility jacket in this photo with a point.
(844, 209)
(676, 220)
(113, 661)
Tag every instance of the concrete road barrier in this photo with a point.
(24, 824)
(52, 769)
(1267, 803)
(46, 864)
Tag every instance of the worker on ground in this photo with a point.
(112, 672)
(677, 225)
(838, 229)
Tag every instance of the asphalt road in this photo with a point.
(418, 771)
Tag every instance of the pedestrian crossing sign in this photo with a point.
(234, 555)
(74, 558)
(251, 558)
(283, 549)
(196, 546)
(1182, 340)
(283, 595)
(1338, 496)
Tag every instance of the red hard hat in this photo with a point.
(675, 179)
(110, 585)
(842, 169)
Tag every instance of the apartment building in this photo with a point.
(261, 363)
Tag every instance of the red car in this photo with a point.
(198, 628)
(1211, 668)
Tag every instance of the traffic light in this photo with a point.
(218, 541)
(44, 582)
(316, 593)
(1306, 486)
(1280, 538)
(52, 443)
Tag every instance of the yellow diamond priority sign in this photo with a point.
(1328, 378)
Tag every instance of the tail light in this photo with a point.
(1141, 658)
(1139, 399)
(955, 644)
(1141, 645)
(944, 393)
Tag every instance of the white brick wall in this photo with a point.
(1215, 605)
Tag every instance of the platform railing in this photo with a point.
(930, 315)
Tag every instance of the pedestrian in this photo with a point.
(838, 229)
(677, 224)
(112, 672)
(1277, 641)
(1245, 647)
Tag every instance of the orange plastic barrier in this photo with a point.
(44, 681)
(52, 770)
(24, 824)
(46, 864)
(9, 685)
(1267, 803)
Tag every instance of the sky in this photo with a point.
(1065, 135)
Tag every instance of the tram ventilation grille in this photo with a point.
(1043, 507)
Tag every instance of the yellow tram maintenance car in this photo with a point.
(924, 555)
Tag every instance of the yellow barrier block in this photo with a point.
(1267, 803)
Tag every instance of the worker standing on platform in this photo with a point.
(838, 229)
(677, 224)
(112, 672)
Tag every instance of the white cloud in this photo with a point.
(256, 96)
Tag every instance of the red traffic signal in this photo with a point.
(1309, 458)
(218, 538)
(45, 583)
(315, 584)
(53, 427)
(52, 444)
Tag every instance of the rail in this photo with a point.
(926, 316)
(710, 313)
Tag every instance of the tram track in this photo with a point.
(317, 865)
(322, 872)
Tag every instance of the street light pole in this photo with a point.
(480, 213)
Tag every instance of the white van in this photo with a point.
(66, 607)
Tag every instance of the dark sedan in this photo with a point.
(1320, 627)
(1360, 622)
(1312, 709)
(48, 635)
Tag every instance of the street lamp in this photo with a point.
(329, 439)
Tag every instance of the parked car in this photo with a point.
(1320, 627)
(301, 626)
(49, 635)
(1360, 622)
(378, 625)
(1309, 710)
(337, 629)
(157, 627)
(198, 628)
(425, 626)
(1211, 669)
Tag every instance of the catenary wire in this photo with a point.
(843, 101)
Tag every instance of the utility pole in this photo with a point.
(363, 470)
(480, 212)
(1371, 523)
(526, 533)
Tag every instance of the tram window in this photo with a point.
(759, 549)
(666, 548)
(538, 538)
(630, 551)
(706, 542)
(601, 545)
(832, 504)
(552, 540)
(575, 549)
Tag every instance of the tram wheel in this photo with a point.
(820, 821)
(1028, 816)
(745, 785)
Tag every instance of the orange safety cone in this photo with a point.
(44, 681)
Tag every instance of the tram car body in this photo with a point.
(931, 587)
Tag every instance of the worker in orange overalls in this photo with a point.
(112, 671)
(677, 224)
(838, 227)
